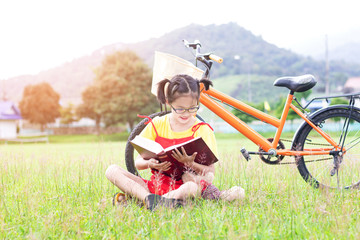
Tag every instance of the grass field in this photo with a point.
(59, 191)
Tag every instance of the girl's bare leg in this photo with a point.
(234, 193)
(188, 176)
(127, 182)
(188, 189)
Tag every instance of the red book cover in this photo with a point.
(150, 149)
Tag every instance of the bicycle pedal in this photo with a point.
(245, 153)
(333, 172)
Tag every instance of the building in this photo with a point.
(352, 85)
(9, 118)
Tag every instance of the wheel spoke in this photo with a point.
(353, 145)
(331, 174)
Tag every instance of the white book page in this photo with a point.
(148, 144)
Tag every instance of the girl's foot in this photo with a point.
(119, 199)
(209, 191)
(151, 201)
(234, 193)
(171, 202)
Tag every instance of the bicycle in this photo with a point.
(323, 147)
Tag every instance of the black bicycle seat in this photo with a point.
(296, 84)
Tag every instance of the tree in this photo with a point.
(301, 95)
(339, 101)
(123, 83)
(87, 108)
(280, 107)
(67, 114)
(40, 104)
(246, 117)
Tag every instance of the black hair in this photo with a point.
(180, 84)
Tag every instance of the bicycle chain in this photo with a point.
(314, 160)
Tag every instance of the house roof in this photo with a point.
(8, 111)
(353, 82)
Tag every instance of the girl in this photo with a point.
(182, 94)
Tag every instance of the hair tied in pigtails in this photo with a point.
(161, 92)
(207, 83)
(166, 86)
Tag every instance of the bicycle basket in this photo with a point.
(167, 66)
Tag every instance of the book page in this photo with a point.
(141, 144)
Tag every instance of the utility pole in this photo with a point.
(249, 67)
(327, 84)
(249, 87)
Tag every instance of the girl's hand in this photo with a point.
(183, 157)
(164, 166)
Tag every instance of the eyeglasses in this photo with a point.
(183, 110)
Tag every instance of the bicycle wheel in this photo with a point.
(129, 149)
(320, 171)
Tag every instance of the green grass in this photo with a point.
(88, 138)
(59, 191)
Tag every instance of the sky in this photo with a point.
(36, 35)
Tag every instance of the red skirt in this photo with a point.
(161, 184)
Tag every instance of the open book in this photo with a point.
(151, 149)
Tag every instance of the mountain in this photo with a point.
(243, 53)
(69, 79)
(349, 52)
(343, 46)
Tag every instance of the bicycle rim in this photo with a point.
(319, 170)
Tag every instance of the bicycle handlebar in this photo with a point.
(196, 45)
(207, 58)
(216, 58)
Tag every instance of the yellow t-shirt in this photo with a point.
(163, 128)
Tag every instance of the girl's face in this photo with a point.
(184, 109)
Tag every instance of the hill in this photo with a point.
(341, 46)
(347, 52)
(253, 56)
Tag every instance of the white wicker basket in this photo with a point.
(167, 66)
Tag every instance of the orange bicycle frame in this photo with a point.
(206, 98)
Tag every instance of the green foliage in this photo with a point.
(301, 95)
(250, 88)
(339, 101)
(280, 107)
(245, 117)
(40, 104)
(67, 114)
(122, 89)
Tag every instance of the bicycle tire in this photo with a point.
(317, 172)
(129, 149)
